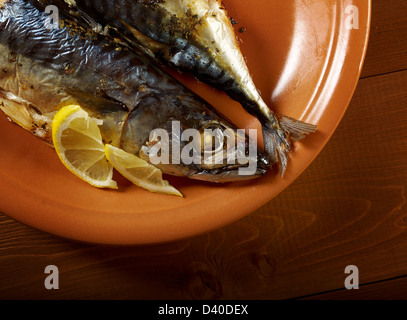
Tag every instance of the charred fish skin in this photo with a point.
(169, 38)
(160, 35)
(197, 36)
(46, 69)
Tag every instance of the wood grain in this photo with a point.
(348, 208)
(393, 289)
(388, 38)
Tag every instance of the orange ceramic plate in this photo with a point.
(306, 58)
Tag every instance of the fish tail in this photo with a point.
(279, 135)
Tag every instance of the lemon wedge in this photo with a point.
(78, 143)
(139, 171)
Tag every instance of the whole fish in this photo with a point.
(44, 69)
(195, 36)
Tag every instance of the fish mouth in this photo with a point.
(221, 156)
(233, 173)
(237, 164)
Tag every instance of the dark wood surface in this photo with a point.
(348, 208)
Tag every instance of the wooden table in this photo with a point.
(348, 208)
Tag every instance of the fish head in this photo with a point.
(213, 151)
(197, 144)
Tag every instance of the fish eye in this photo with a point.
(213, 125)
(212, 138)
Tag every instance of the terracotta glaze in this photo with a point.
(305, 58)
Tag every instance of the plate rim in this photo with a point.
(246, 209)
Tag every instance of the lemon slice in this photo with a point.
(139, 171)
(78, 143)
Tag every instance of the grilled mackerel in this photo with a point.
(194, 36)
(45, 69)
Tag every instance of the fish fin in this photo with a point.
(17, 113)
(296, 129)
(277, 141)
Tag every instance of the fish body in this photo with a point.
(44, 70)
(196, 36)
